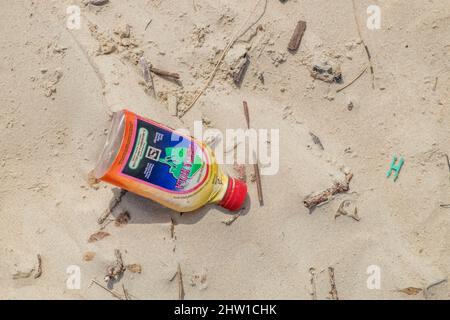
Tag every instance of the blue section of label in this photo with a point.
(164, 158)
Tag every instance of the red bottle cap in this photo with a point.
(235, 195)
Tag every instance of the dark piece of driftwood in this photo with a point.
(296, 38)
(311, 201)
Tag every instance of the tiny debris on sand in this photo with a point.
(347, 208)
(39, 267)
(122, 219)
(134, 268)
(88, 256)
(98, 236)
(115, 270)
(410, 291)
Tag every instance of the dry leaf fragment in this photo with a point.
(88, 256)
(98, 236)
(410, 291)
(135, 268)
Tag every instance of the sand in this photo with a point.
(59, 88)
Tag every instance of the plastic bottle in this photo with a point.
(156, 162)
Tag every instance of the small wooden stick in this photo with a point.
(150, 21)
(172, 228)
(296, 38)
(246, 113)
(231, 220)
(313, 293)
(39, 267)
(125, 292)
(354, 80)
(116, 295)
(256, 165)
(333, 291)
(163, 73)
(433, 284)
(369, 57)
(180, 283)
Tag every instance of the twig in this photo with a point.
(313, 293)
(435, 84)
(112, 205)
(163, 73)
(224, 53)
(246, 114)
(333, 291)
(115, 294)
(364, 43)
(445, 205)
(448, 161)
(255, 165)
(39, 267)
(311, 201)
(433, 284)
(125, 292)
(180, 283)
(172, 228)
(150, 21)
(296, 38)
(258, 182)
(351, 82)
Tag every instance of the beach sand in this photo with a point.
(59, 87)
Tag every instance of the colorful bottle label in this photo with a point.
(165, 159)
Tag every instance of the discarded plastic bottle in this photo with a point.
(156, 162)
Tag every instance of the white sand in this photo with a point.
(49, 144)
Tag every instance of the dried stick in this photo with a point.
(364, 43)
(339, 187)
(256, 165)
(150, 21)
(180, 284)
(39, 267)
(112, 205)
(333, 291)
(115, 294)
(433, 284)
(313, 293)
(224, 53)
(172, 228)
(351, 82)
(163, 73)
(296, 38)
(125, 292)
